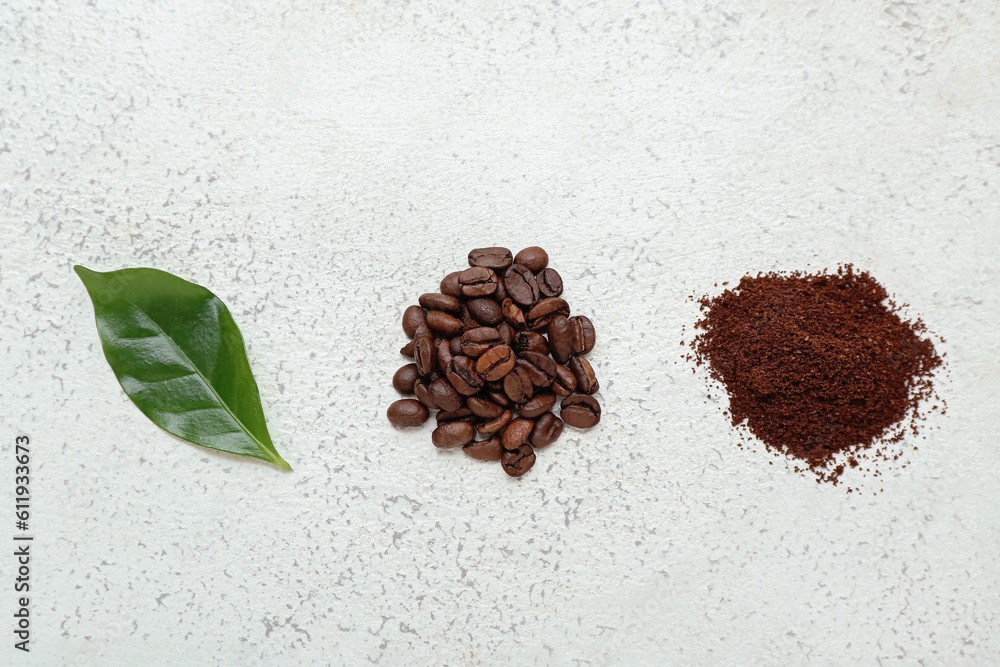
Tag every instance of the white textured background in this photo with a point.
(319, 165)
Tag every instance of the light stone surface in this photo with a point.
(319, 165)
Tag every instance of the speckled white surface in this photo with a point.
(319, 165)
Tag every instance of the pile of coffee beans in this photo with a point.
(494, 351)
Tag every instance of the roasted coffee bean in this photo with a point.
(491, 258)
(453, 434)
(484, 450)
(450, 285)
(476, 341)
(499, 397)
(539, 404)
(550, 283)
(516, 463)
(424, 352)
(455, 346)
(444, 324)
(541, 369)
(485, 311)
(586, 381)
(565, 382)
(547, 430)
(445, 395)
(561, 338)
(463, 376)
(407, 350)
(405, 378)
(584, 335)
(496, 425)
(501, 292)
(483, 407)
(421, 390)
(443, 302)
(545, 311)
(413, 317)
(495, 362)
(468, 321)
(444, 354)
(462, 414)
(407, 412)
(521, 285)
(580, 410)
(517, 433)
(513, 314)
(517, 385)
(530, 341)
(506, 333)
(534, 259)
(478, 281)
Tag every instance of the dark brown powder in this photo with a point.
(817, 365)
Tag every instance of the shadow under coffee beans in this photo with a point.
(493, 352)
(817, 364)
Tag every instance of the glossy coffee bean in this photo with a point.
(478, 281)
(516, 433)
(530, 341)
(533, 258)
(460, 415)
(550, 283)
(513, 314)
(580, 410)
(413, 318)
(445, 395)
(485, 311)
(444, 355)
(516, 463)
(405, 378)
(584, 335)
(444, 324)
(483, 407)
(495, 363)
(545, 311)
(468, 321)
(538, 405)
(541, 369)
(521, 285)
(476, 341)
(443, 302)
(498, 396)
(424, 352)
(450, 285)
(586, 380)
(453, 434)
(491, 258)
(407, 412)
(484, 450)
(561, 338)
(547, 430)
(421, 389)
(463, 376)
(565, 382)
(518, 386)
(407, 350)
(496, 425)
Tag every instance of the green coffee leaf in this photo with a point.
(179, 356)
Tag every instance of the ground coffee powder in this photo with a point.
(817, 365)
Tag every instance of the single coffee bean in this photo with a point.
(445, 395)
(407, 350)
(533, 258)
(450, 285)
(496, 425)
(444, 355)
(460, 415)
(506, 333)
(455, 346)
(413, 317)
(468, 321)
(545, 311)
(565, 382)
(485, 311)
(586, 380)
(521, 285)
(501, 292)
(478, 281)
(476, 341)
(513, 314)
(491, 258)
(517, 385)
(484, 450)
(547, 430)
(405, 378)
(530, 341)
(495, 362)
(580, 410)
(499, 397)
(517, 433)
(541, 369)
(421, 390)
(453, 434)
(407, 412)
(463, 375)
(482, 407)
(550, 283)
(424, 352)
(584, 335)
(561, 338)
(539, 404)
(516, 463)
(434, 301)
(444, 324)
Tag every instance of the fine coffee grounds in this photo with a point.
(494, 351)
(817, 365)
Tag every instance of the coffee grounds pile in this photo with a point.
(817, 365)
